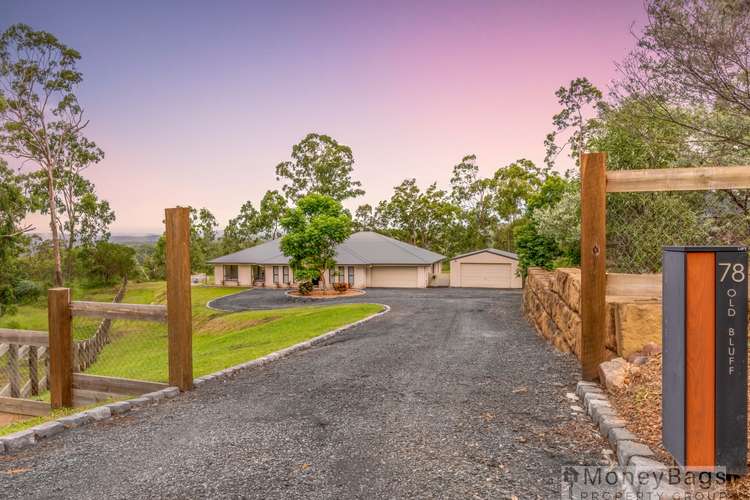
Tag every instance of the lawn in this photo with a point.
(139, 349)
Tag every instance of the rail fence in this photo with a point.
(628, 216)
(97, 351)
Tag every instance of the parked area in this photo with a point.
(419, 402)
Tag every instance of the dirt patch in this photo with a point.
(223, 324)
(639, 403)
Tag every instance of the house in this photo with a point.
(488, 268)
(366, 259)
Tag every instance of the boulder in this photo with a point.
(614, 373)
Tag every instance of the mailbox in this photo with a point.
(704, 360)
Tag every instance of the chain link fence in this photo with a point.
(121, 348)
(640, 224)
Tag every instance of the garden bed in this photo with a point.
(639, 403)
(326, 294)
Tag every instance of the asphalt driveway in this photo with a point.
(449, 395)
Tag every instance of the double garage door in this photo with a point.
(485, 275)
(394, 277)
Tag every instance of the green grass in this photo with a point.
(138, 349)
(220, 339)
(34, 316)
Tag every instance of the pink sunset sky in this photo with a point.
(194, 103)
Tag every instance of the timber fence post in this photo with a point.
(593, 262)
(179, 307)
(60, 376)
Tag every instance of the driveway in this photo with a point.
(449, 395)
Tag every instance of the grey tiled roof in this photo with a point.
(365, 247)
(503, 253)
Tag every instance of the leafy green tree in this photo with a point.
(364, 218)
(273, 206)
(243, 230)
(321, 165)
(579, 101)
(313, 230)
(690, 68)
(82, 217)
(13, 208)
(535, 249)
(40, 116)
(424, 218)
(475, 196)
(105, 261)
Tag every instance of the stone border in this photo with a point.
(28, 437)
(17, 441)
(307, 344)
(630, 452)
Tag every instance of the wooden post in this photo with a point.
(14, 374)
(593, 262)
(60, 375)
(34, 370)
(179, 307)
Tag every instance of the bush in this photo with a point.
(27, 291)
(340, 287)
(305, 288)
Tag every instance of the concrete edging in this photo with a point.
(223, 374)
(20, 440)
(630, 452)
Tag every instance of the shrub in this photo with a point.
(27, 291)
(306, 288)
(340, 287)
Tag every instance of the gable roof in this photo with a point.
(502, 253)
(365, 247)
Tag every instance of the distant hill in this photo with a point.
(134, 239)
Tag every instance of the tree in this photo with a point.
(426, 219)
(242, 231)
(13, 207)
(313, 230)
(272, 209)
(364, 218)
(321, 165)
(39, 112)
(690, 68)
(475, 197)
(203, 228)
(579, 101)
(82, 217)
(106, 261)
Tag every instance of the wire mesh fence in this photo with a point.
(120, 348)
(640, 224)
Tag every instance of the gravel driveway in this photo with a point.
(449, 395)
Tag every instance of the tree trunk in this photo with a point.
(58, 278)
(322, 279)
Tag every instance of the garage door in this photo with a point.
(485, 275)
(394, 277)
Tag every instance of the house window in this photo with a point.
(275, 274)
(286, 274)
(350, 275)
(231, 273)
(331, 276)
(340, 274)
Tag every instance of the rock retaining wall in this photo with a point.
(552, 302)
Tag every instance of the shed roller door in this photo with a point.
(394, 277)
(485, 275)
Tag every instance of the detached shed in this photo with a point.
(488, 268)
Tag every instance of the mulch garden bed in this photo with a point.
(639, 403)
(326, 294)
